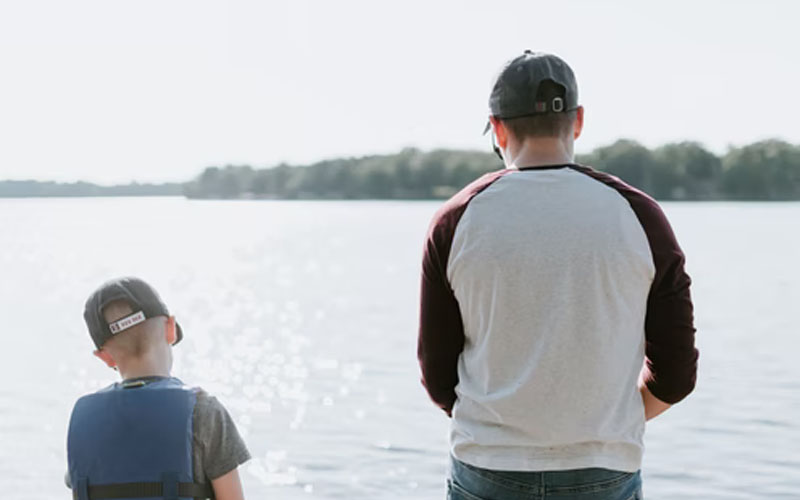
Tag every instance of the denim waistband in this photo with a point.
(576, 481)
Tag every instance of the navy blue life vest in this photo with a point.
(134, 441)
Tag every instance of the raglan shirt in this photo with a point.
(217, 447)
(546, 293)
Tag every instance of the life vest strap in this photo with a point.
(144, 490)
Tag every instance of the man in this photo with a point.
(555, 310)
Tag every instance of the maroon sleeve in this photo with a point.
(671, 357)
(441, 332)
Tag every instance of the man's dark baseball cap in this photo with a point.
(143, 300)
(514, 94)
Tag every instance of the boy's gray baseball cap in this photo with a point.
(143, 300)
(514, 94)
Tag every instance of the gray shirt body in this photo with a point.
(547, 291)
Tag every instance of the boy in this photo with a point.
(148, 436)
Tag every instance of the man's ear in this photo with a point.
(106, 357)
(578, 123)
(170, 330)
(500, 132)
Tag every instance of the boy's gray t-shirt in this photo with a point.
(217, 447)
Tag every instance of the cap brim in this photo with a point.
(178, 333)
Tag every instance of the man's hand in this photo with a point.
(653, 406)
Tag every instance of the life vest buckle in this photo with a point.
(170, 480)
(81, 490)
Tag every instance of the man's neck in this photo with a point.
(541, 151)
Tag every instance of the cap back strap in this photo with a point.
(126, 322)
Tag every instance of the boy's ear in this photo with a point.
(106, 357)
(170, 330)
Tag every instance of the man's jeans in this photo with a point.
(472, 483)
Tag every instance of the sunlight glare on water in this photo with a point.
(301, 318)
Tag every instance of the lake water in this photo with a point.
(301, 317)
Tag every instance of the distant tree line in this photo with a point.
(409, 174)
(767, 170)
(32, 189)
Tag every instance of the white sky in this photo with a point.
(155, 90)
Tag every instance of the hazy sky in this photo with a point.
(111, 90)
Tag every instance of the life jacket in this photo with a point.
(134, 441)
